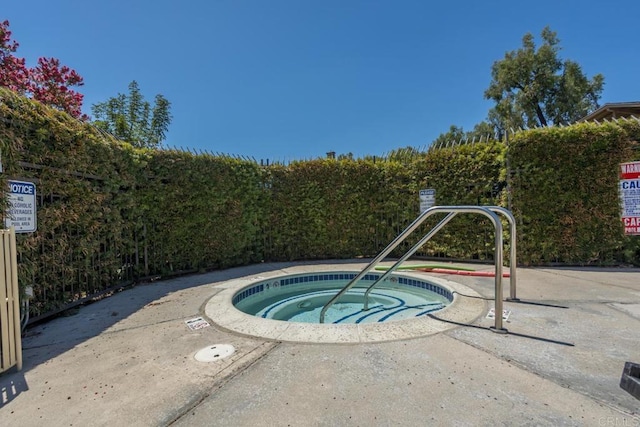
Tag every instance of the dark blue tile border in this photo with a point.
(287, 281)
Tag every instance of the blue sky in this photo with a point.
(294, 79)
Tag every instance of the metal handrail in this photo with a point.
(434, 230)
(512, 249)
(452, 211)
(410, 252)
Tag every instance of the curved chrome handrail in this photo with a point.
(451, 211)
(512, 253)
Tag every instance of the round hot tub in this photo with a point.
(285, 306)
(301, 297)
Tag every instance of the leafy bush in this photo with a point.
(109, 213)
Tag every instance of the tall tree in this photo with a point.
(131, 118)
(48, 82)
(14, 74)
(534, 87)
(454, 135)
(484, 130)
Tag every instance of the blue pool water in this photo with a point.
(300, 298)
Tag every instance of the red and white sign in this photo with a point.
(630, 197)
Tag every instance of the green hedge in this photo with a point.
(565, 192)
(464, 175)
(109, 213)
(198, 212)
(76, 250)
(336, 208)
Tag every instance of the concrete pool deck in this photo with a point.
(129, 360)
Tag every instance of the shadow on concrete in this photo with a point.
(533, 337)
(50, 338)
(12, 383)
(519, 301)
(538, 304)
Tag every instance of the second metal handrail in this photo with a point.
(512, 249)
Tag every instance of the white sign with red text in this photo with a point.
(630, 197)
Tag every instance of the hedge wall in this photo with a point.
(77, 248)
(198, 212)
(464, 175)
(336, 209)
(110, 214)
(565, 192)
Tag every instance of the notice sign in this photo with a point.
(427, 199)
(21, 207)
(630, 197)
(197, 323)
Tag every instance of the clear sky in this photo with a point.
(294, 79)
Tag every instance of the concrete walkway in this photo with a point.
(129, 360)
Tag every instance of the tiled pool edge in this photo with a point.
(311, 277)
(466, 307)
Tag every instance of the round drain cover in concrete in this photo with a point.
(214, 352)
